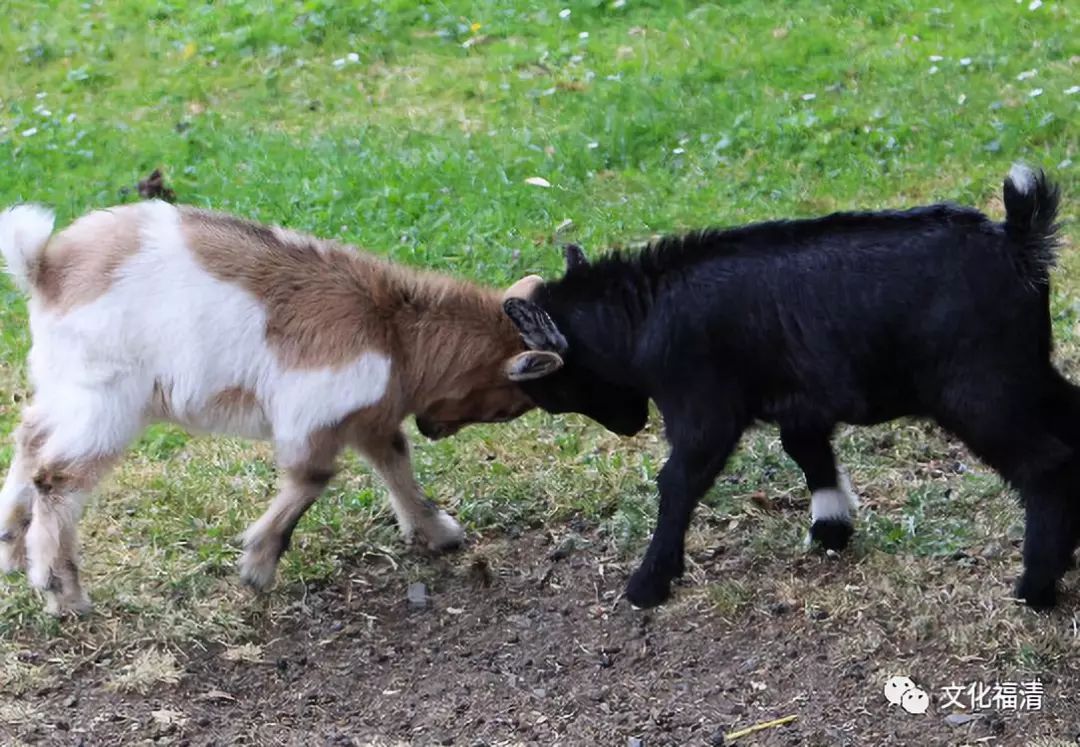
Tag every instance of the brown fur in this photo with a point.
(323, 304)
(161, 402)
(235, 399)
(79, 264)
(327, 305)
(451, 348)
(453, 365)
(58, 479)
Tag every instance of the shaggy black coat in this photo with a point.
(937, 312)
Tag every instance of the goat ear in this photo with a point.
(523, 288)
(533, 364)
(575, 258)
(536, 327)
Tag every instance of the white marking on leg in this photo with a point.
(838, 503)
(827, 504)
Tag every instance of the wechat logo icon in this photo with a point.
(901, 691)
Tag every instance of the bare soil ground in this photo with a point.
(527, 641)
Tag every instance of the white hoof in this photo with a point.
(440, 531)
(258, 568)
(75, 603)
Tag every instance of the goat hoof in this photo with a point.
(832, 534)
(257, 576)
(73, 604)
(646, 590)
(257, 585)
(442, 533)
(1039, 594)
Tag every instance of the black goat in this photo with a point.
(858, 318)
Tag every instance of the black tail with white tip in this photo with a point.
(1031, 205)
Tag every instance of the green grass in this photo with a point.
(645, 117)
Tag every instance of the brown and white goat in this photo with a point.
(151, 312)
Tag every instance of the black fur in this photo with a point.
(832, 534)
(575, 256)
(858, 318)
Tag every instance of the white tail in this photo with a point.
(24, 231)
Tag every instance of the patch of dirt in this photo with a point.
(528, 641)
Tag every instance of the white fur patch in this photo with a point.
(42, 547)
(439, 530)
(1022, 178)
(165, 319)
(835, 503)
(305, 401)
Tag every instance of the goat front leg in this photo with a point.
(684, 478)
(418, 517)
(832, 502)
(305, 473)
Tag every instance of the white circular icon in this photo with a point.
(915, 701)
(896, 687)
(901, 691)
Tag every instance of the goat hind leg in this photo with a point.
(305, 473)
(74, 448)
(1026, 447)
(16, 501)
(1049, 537)
(832, 502)
(1062, 414)
(52, 542)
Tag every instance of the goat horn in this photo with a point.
(523, 288)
